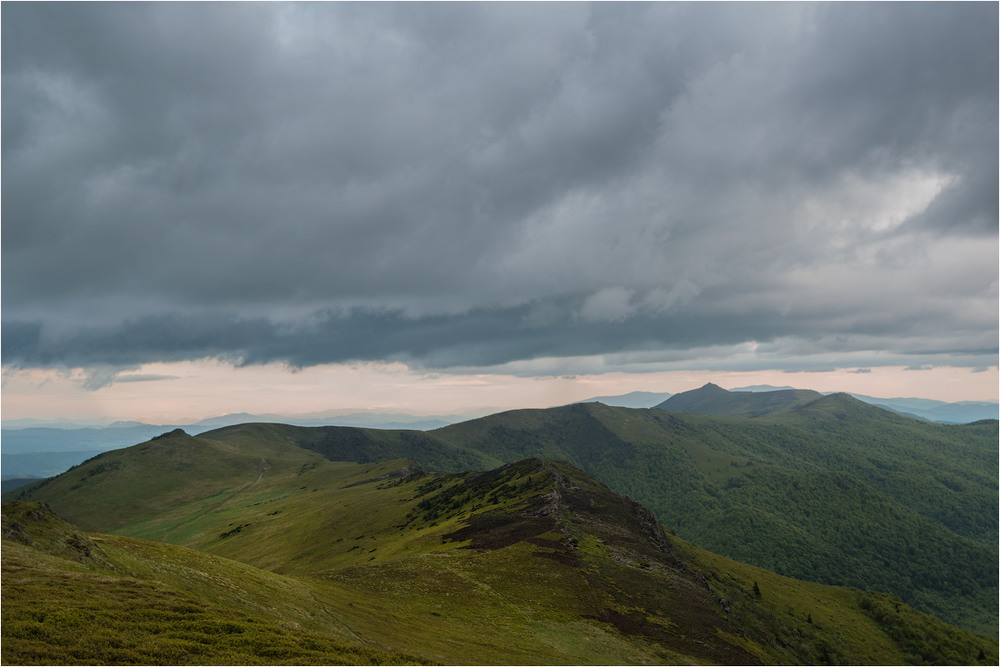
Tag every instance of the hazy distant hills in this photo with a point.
(962, 412)
(33, 449)
(369, 418)
(635, 399)
(241, 546)
(372, 419)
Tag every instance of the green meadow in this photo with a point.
(242, 550)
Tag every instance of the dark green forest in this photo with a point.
(835, 491)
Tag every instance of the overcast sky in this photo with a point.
(499, 188)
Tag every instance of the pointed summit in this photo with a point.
(712, 399)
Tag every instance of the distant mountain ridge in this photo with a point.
(942, 412)
(71, 442)
(712, 399)
(367, 418)
(634, 399)
(961, 412)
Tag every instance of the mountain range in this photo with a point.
(712, 399)
(836, 491)
(35, 448)
(822, 488)
(960, 412)
(254, 544)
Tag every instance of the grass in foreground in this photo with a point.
(71, 598)
(531, 563)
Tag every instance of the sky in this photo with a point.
(285, 207)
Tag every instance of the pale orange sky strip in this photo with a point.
(189, 391)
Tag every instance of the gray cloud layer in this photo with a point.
(475, 184)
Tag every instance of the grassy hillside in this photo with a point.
(835, 491)
(171, 470)
(361, 445)
(327, 562)
(71, 597)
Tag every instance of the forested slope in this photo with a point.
(835, 491)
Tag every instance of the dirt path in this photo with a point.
(263, 468)
(340, 622)
(480, 585)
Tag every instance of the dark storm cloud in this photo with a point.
(474, 184)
